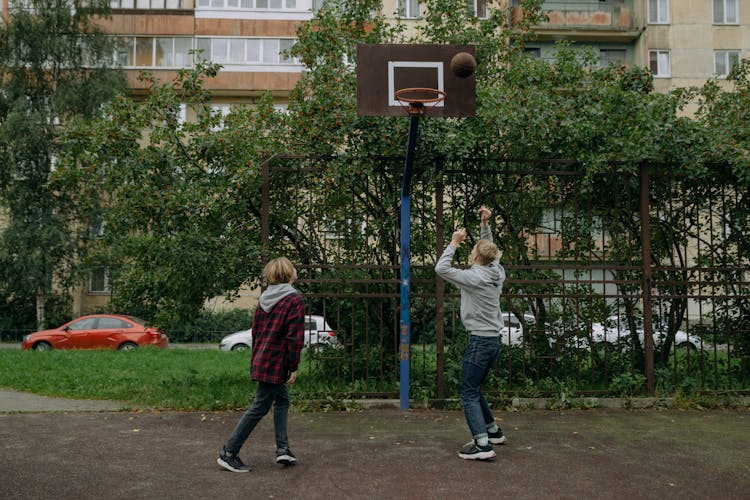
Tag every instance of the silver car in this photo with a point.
(317, 334)
(615, 331)
(512, 333)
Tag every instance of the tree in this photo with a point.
(183, 212)
(54, 65)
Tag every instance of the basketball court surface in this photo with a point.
(376, 454)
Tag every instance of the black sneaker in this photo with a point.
(472, 451)
(232, 462)
(285, 457)
(497, 437)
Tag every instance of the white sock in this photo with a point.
(492, 427)
(482, 440)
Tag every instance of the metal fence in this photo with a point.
(633, 280)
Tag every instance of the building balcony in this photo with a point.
(588, 21)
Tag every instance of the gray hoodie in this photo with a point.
(273, 294)
(480, 286)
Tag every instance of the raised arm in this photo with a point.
(485, 233)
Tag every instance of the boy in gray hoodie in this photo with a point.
(480, 287)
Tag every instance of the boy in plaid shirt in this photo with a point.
(278, 336)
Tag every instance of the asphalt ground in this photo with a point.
(57, 451)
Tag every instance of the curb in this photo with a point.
(25, 402)
(517, 404)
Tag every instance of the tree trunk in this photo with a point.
(41, 319)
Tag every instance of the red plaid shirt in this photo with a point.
(278, 336)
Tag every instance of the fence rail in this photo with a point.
(630, 280)
(627, 284)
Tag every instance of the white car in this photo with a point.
(616, 331)
(317, 333)
(512, 334)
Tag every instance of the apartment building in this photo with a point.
(247, 37)
(683, 42)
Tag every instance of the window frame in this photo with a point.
(476, 5)
(534, 52)
(659, 73)
(247, 5)
(106, 286)
(269, 48)
(724, 20)
(608, 60)
(152, 4)
(404, 9)
(135, 58)
(662, 13)
(728, 64)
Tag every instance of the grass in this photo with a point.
(208, 379)
(179, 379)
(171, 378)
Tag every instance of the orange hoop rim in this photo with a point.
(439, 95)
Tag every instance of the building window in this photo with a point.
(250, 4)
(223, 111)
(724, 61)
(659, 63)
(725, 11)
(534, 52)
(246, 50)
(96, 229)
(182, 114)
(99, 281)
(147, 4)
(611, 57)
(408, 8)
(478, 7)
(153, 52)
(658, 11)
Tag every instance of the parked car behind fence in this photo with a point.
(317, 334)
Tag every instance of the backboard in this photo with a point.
(383, 69)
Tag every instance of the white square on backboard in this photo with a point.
(438, 65)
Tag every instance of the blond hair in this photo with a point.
(279, 270)
(486, 252)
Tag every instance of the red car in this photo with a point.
(97, 331)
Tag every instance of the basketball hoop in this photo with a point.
(414, 98)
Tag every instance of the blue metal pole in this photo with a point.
(405, 333)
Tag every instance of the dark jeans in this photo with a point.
(265, 396)
(479, 357)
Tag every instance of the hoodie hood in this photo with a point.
(273, 294)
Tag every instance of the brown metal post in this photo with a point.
(648, 330)
(265, 204)
(439, 290)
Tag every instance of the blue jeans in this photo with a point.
(265, 396)
(479, 357)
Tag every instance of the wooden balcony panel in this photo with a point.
(151, 24)
(246, 27)
(227, 83)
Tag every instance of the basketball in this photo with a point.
(463, 65)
